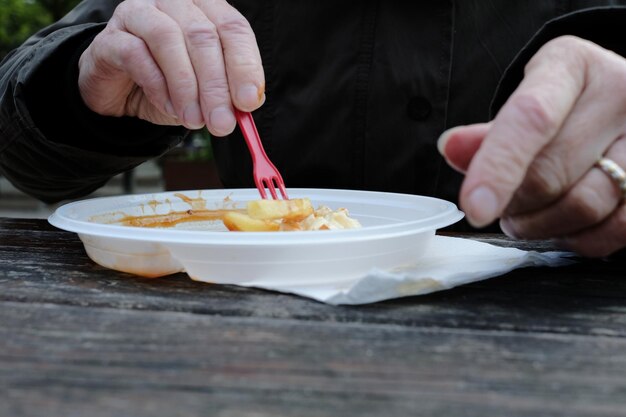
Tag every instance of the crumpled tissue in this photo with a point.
(447, 263)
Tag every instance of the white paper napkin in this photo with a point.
(447, 263)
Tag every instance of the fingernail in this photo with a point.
(193, 116)
(250, 95)
(482, 206)
(443, 140)
(507, 228)
(222, 120)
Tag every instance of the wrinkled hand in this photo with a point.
(174, 62)
(533, 165)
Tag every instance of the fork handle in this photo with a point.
(250, 134)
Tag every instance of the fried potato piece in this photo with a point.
(287, 210)
(240, 222)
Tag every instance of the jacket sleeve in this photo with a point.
(601, 25)
(51, 145)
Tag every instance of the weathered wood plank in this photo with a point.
(77, 339)
(66, 360)
(53, 268)
(497, 305)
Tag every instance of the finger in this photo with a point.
(459, 144)
(601, 240)
(577, 146)
(108, 68)
(205, 52)
(527, 122)
(241, 54)
(585, 205)
(166, 43)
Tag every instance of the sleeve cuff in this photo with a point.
(57, 109)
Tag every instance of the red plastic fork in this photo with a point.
(264, 172)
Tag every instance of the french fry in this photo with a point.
(240, 222)
(287, 210)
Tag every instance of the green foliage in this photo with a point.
(57, 8)
(21, 18)
(197, 147)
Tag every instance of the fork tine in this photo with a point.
(281, 187)
(272, 188)
(264, 172)
(260, 186)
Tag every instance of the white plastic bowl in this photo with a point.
(396, 230)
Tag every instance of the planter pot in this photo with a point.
(189, 175)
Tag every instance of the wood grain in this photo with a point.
(77, 339)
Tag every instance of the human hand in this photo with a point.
(174, 62)
(534, 164)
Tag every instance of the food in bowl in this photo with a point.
(259, 216)
(288, 215)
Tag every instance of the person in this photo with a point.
(523, 99)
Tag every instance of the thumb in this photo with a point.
(459, 144)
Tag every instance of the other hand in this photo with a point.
(533, 166)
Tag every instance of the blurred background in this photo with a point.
(189, 166)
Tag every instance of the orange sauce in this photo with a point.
(173, 218)
(195, 203)
(197, 213)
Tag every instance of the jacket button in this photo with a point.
(418, 108)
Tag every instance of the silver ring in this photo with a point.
(615, 172)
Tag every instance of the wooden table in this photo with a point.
(80, 340)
